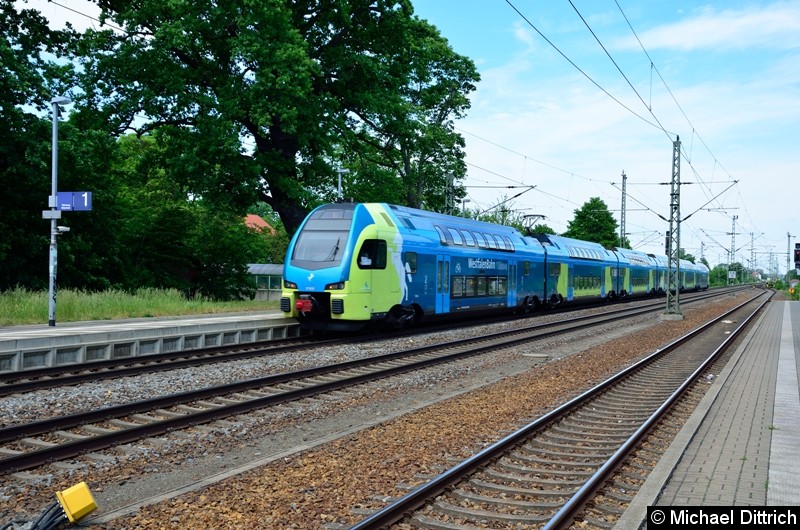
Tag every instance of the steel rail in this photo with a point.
(62, 422)
(102, 441)
(570, 509)
(421, 495)
(32, 379)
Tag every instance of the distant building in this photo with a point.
(255, 222)
(268, 278)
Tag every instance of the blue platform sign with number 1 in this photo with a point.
(78, 201)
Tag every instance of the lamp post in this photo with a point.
(464, 207)
(341, 172)
(54, 213)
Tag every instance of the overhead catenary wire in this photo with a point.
(686, 155)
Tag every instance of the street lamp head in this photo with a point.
(61, 100)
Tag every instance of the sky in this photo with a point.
(574, 93)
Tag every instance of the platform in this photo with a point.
(28, 347)
(741, 446)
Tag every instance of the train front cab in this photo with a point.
(333, 264)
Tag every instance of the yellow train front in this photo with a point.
(343, 269)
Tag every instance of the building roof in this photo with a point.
(265, 269)
(257, 223)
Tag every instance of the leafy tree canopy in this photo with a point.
(29, 77)
(266, 99)
(594, 222)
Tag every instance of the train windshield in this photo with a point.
(324, 237)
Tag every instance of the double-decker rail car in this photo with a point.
(693, 276)
(660, 274)
(353, 264)
(588, 270)
(642, 273)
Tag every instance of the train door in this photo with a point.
(605, 278)
(442, 284)
(571, 282)
(512, 284)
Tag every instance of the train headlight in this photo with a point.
(289, 285)
(338, 286)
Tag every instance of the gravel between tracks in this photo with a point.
(318, 463)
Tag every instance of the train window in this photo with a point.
(442, 236)
(502, 285)
(526, 268)
(500, 243)
(411, 262)
(490, 241)
(372, 254)
(456, 236)
(320, 246)
(438, 276)
(469, 286)
(509, 243)
(408, 223)
(554, 269)
(468, 239)
(458, 286)
(481, 286)
(481, 240)
(387, 220)
(446, 281)
(492, 286)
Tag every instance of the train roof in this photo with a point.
(451, 229)
(637, 257)
(424, 216)
(575, 248)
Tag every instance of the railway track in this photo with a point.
(545, 474)
(65, 375)
(26, 446)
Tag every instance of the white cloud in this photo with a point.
(772, 26)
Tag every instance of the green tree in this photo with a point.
(540, 228)
(273, 245)
(29, 76)
(90, 255)
(718, 276)
(170, 238)
(265, 99)
(594, 222)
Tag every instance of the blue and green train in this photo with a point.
(354, 264)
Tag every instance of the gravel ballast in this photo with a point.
(324, 462)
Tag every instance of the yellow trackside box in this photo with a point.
(77, 501)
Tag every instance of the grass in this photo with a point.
(21, 306)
